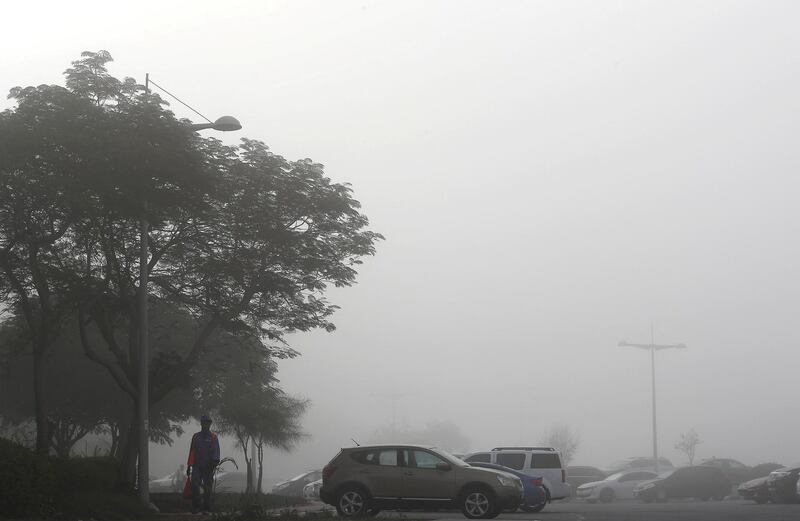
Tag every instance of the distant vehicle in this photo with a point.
(642, 463)
(699, 482)
(735, 470)
(577, 476)
(231, 482)
(311, 491)
(534, 494)
(294, 487)
(364, 480)
(755, 489)
(533, 461)
(615, 486)
(782, 484)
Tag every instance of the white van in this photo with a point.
(544, 462)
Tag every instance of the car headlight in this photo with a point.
(508, 481)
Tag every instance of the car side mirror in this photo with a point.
(443, 467)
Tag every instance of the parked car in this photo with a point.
(577, 476)
(532, 461)
(311, 491)
(782, 484)
(641, 463)
(534, 494)
(734, 470)
(615, 486)
(364, 480)
(231, 482)
(755, 489)
(294, 487)
(698, 482)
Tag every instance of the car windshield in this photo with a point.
(666, 473)
(614, 477)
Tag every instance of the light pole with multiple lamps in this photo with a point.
(653, 347)
(224, 124)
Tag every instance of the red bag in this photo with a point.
(187, 489)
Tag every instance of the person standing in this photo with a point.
(203, 460)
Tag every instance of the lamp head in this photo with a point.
(227, 124)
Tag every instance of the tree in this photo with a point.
(688, 444)
(562, 438)
(241, 240)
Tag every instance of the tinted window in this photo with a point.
(481, 458)
(512, 461)
(365, 457)
(545, 461)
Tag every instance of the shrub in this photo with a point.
(25, 481)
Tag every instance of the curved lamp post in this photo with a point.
(223, 124)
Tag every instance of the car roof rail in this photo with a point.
(551, 449)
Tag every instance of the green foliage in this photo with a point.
(243, 244)
(25, 481)
(43, 487)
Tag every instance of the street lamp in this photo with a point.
(224, 124)
(653, 347)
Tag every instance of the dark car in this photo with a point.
(735, 470)
(755, 489)
(535, 494)
(698, 482)
(782, 484)
(577, 476)
(294, 487)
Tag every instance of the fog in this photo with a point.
(551, 178)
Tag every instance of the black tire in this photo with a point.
(478, 503)
(534, 508)
(607, 496)
(352, 501)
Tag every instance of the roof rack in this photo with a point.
(551, 449)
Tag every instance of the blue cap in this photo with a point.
(205, 418)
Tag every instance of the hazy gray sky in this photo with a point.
(551, 178)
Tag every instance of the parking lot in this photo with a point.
(636, 511)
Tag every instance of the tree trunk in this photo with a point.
(128, 450)
(260, 464)
(42, 426)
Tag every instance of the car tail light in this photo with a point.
(536, 482)
(327, 472)
(563, 476)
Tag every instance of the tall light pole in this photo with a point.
(653, 347)
(224, 124)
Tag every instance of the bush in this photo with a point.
(25, 481)
(42, 487)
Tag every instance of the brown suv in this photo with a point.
(364, 480)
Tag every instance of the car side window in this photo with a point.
(387, 458)
(479, 458)
(545, 461)
(426, 460)
(512, 461)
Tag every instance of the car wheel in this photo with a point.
(661, 496)
(534, 508)
(477, 503)
(352, 501)
(607, 495)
